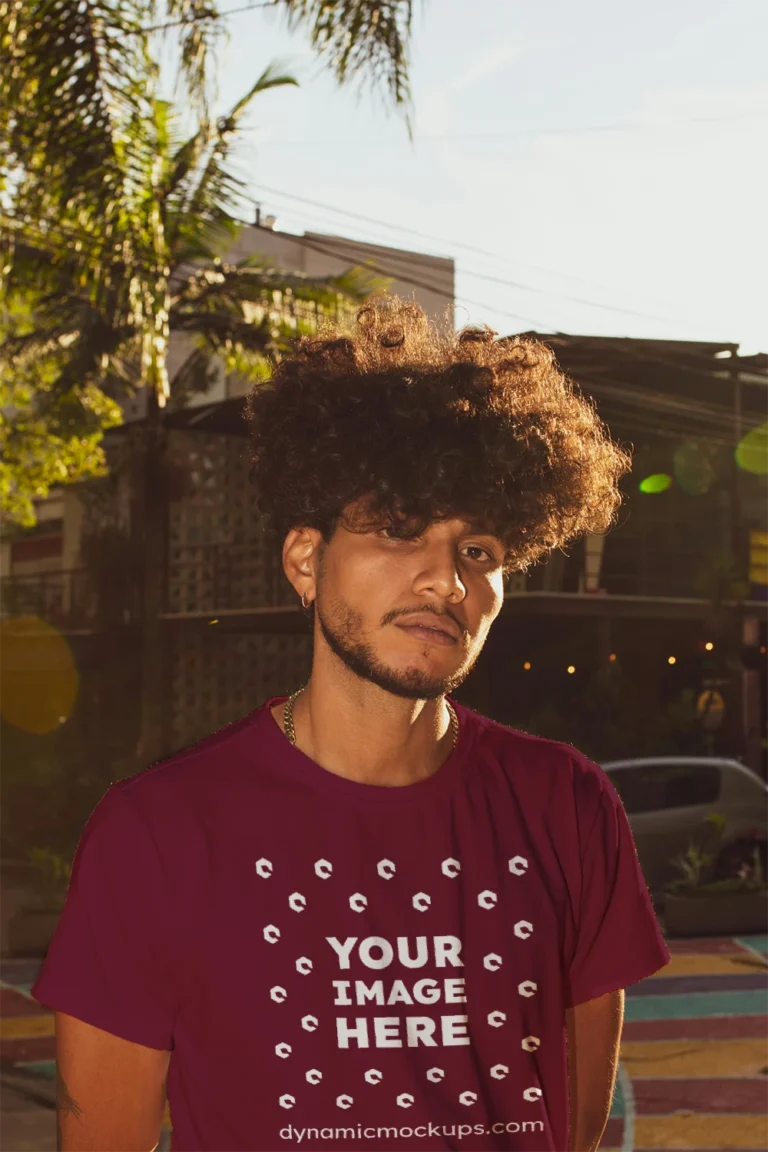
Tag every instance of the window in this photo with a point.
(655, 787)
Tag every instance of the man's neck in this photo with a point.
(374, 737)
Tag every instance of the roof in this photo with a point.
(675, 387)
(682, 388)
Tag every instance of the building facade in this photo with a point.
(597, 644)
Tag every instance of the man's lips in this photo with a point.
(433, 634)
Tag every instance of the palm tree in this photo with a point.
(107, 294)
(61, 60)
(117, 229)
(106, 302)
(105, 211)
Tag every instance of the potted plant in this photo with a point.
(721, 889)
(31, 928)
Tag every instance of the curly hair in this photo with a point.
(426, 424)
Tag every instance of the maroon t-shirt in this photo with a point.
(337, 965)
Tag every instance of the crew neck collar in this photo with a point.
(307, 771)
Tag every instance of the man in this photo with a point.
(365, 916)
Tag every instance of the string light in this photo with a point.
(571, 669)
(527, 665)
(612, 657)
(709, 645)
(672, 660)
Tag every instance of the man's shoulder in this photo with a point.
(515, 748)
(195, 766)
(506, 738)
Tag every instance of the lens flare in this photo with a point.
(38, 678)
(659, 482)
(693, 469)
(752, 451)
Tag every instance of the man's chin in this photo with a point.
(417, 686)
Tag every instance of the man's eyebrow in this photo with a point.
(482, 529)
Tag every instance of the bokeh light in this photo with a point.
(38, 678)
(527, 665)
(571, 669)
(672, 660)
(752, 451)
(693, 469)
(652, 485)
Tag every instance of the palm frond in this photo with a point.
(361, 39)
(251, 314)
(74, 75)
(196, 375)
(217, 187)
(201, 32)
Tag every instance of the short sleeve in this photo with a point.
(108, 963)
(618, 937)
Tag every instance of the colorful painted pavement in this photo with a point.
(694, 1056)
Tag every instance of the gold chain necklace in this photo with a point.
(290, 731)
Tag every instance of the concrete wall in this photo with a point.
(430, 279)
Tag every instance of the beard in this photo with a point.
(342, 629)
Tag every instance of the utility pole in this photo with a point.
(750, 623)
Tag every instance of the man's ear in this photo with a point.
(301, 556)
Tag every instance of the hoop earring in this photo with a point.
(304, 606)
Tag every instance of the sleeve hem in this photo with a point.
(585, 991)
(91, 1016)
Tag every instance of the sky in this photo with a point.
(593, 166)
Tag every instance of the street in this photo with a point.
(693, 1072)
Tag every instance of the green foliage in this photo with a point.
(721, 579)
(697, 863)
(48, 436)
(607, 721)
(363, 38)
(116, 225)
(54, 870)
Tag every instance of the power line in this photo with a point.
(417, 258)
(428, 261)
(204, 16)
(81, 236)
(87, 238)
(384, 224)
(469, 248)
(389, 272)
(516, 132)
(708, 414)
(571, 299)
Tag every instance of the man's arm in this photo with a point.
(594, 1034)
(110, 1092)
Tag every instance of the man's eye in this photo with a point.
(476, 548)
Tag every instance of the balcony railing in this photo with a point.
(635, 568)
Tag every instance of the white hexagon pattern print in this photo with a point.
(447, 951)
